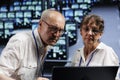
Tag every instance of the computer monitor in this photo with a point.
(11, 8)
(11, 15)
(17, 8)
(84, 73)
(27, 14)
(8, 25)
(75, 6)
(80, 1)
(28, 2)
(31, 7)
(84, 6)
(24, 7)
(78, 12)
(58, 52)
(69, 12)
(70, 26)
(88, 1)
(1, 25)
(36, 14)
(27, 21)
(3, 15)
(78, 18)
(3, 8)
(16, 3)
(34, 2)
(71, 30)
(19, 14)
(38, 7)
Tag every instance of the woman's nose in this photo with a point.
(90, 32)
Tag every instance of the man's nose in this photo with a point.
(57, 33)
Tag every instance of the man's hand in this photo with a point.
(42, 78)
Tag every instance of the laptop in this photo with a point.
(84, 73)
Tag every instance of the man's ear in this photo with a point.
(40, 22)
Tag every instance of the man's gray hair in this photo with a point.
(46, 13)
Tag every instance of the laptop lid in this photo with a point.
(84, 73)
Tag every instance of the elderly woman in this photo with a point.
(94, 52)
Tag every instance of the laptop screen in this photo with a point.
(84, 73)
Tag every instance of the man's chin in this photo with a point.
(52, 43)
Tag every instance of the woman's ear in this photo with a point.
(100, 35)
(80, 32)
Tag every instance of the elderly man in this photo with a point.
(24, 54)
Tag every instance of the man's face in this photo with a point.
(51, 30)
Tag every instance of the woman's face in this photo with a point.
(90, 33)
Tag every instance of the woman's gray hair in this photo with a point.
(96, 19)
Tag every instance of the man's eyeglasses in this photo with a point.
(54, 29)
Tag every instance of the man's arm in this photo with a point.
(3, 77)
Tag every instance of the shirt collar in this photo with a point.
(38, 39)
(100, 46)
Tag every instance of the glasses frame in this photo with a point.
(53, 29)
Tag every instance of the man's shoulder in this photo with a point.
(22, 35)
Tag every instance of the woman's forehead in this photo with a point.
(91, 25)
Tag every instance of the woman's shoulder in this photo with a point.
(80, 49)
(107, 49)
(104, 46)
